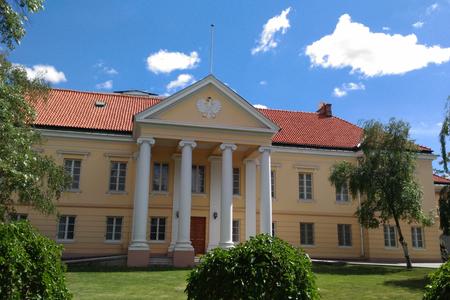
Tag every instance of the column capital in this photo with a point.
(190, 143)
(251, 160)
(214, 158)
(228, 146)
(176, 157)
(149, 140)
(265, 149)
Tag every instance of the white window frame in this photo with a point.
(160, 165)
(346, 229)
(116, 180)
(305, 186)
(114, 229)
(70, 172)
(414, 237)
(197, 188)
(389, 236)
(158, 229)
(342, 194)
(66, 228)
(236, 236)
(307, 231)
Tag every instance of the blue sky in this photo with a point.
(370, 59)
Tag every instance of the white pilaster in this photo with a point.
(140, 209)
(184, 213)
(214, 205)
(175, 200)
(250, 198)
(266, 193)
(226, 207)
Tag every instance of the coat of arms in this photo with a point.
(209, 107)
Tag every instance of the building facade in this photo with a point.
(202, 169)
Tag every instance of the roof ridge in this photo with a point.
(109, 94)
(286, 110)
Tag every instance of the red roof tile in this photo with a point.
(440, 180)
(77, 110)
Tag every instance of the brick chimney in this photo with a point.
(324, 110)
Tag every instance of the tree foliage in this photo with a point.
(30, 264)
(444, 210)
(384, 175)
(444, 134)
(439, 286)
(262, 268)
(26, 176)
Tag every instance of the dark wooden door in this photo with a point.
(198, 234)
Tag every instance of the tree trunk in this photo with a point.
(404, 244)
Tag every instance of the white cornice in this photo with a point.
(324, 152)
(85, 135)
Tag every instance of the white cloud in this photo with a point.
(45, 72)
(432, 8)
(275, 24)
(105, 69)
(386, 28)
(418, 24)
(424, 129)
(372, 54)
(263, 82)
(164, 61)
(260, 106)
(181, 81)
(346, 87)
(107, 85)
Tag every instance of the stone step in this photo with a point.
(161, 261)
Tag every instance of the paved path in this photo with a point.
(368, 263)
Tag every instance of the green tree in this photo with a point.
(26, 176)
(384, 175)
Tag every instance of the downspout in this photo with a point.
(361, 232)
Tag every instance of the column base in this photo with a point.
(183, 258)
(226, 245)
(211, 247)
(138, 258)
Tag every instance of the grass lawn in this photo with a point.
(335, 282)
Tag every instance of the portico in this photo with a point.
(232, 139)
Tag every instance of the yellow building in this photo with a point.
(203, 168)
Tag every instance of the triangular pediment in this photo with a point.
(208, 103)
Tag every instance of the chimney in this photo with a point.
(324, 110)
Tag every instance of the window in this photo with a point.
(66, 227)
(306, 233)
(73, 168)
(344, 235)
(157, 229)
(236, 181)
(272, 183)
(273, 228)
(236, 231)
(113, 228)
(417, 237)
(305, 186)
(390, 239)
(117, 176)
(18, 217)
(198, 179)
(160, 177)
(342, 194)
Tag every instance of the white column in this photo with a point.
(140, 210)
(175, 200)
(184, 213)
(214, 204)
(226, 207)
(250, 198)
(266, 193)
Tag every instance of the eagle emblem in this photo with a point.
(209, 107)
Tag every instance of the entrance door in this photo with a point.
(198, 234)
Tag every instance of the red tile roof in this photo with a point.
(77, 110)
(440, 180)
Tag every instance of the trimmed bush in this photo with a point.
(30, 264)
(264, 267)
(439, 286)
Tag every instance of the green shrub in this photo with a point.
(439, 286)
(30, 264)
(261, 268)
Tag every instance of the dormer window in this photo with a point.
(100, 104)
